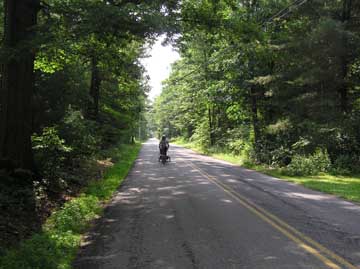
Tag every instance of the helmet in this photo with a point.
(163, 137)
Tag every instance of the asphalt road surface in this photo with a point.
(199, 212)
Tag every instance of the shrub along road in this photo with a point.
(199, 212)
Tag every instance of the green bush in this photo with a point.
(313, 164)
(50, 154)
(321, 160)
(236, 146)
(201, 135)
(300, 165)
(80, 134)
(281, 156)
(56, 246)
(45, 250)
(75, 215)
(111, 135)
(49, 148)
(261, 153)
(345, 164)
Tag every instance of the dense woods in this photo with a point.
(274, 81)
(72, 87)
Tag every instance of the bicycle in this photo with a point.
(163, 158)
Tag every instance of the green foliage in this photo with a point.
(124, 156)
(49, 147)
(345, 164)
(291, 81)
(343, 186)
(50, 154)
(281, 156)
(71, 40)
(271, 88)
(309, 165)
(201, 135)
(80, 133)
(56, 246)
(236, 140)
(75, 215)
(17, 198)
(236, 146)
(46, 250)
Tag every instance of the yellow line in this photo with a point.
(304, 237)
(287, 226)
(266, 216)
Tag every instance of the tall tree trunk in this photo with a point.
(254, 116)
(343, 90)
(346, 12)
(94, 89)
(209, 105)
(16, 84)
(211, 125)
(16, 94)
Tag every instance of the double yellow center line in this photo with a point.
(329, 258)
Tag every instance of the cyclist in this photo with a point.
(163, 145)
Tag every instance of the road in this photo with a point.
(199, 212)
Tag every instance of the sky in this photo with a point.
(158, 65)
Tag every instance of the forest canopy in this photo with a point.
(71, 88)
(274, 81)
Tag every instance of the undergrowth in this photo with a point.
(56, 246)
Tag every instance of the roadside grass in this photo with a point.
(217, 153)
(344, 186)
(347, 187)
(57, 245)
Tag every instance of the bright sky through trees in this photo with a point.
(158, 65)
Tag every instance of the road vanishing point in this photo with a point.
(199, 212)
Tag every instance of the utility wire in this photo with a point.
(288, 10)
(279, 13)
(300, 4)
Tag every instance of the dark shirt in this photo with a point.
(163, 145)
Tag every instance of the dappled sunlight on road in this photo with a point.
(172, 216)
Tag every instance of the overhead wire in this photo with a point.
(298, 5)
(279, 14)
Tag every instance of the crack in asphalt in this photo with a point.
(189, 252)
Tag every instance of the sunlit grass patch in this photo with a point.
(342, 186)
(124, 157)
(56, 246)
(229, 158)
(347, 187)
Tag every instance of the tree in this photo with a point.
(270, 75)
(17, 82)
